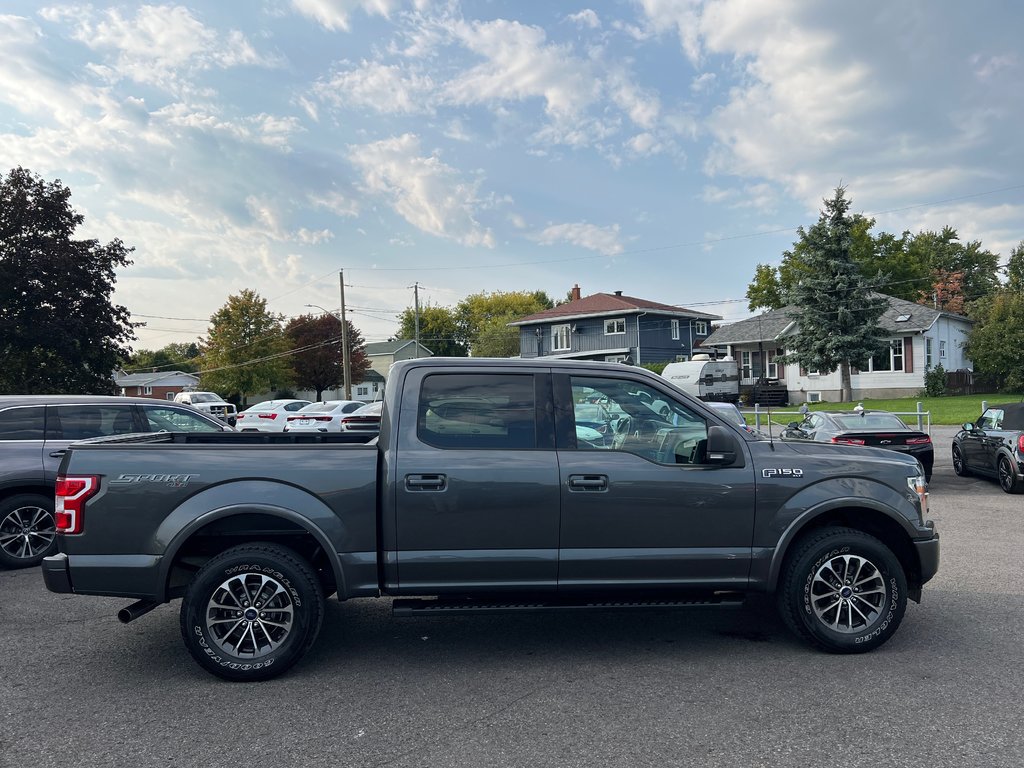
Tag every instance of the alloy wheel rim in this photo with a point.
(958, 461)
(27, 532)
(848, 593)
(1005, 474)
(250, 615)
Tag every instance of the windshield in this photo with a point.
(205, 397)
(871, 421)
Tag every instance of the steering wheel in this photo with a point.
(622, 428)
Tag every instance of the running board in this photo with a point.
(406, 607)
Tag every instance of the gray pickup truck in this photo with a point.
(495, 485)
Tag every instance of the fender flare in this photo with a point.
(177, 539)
(808, 516)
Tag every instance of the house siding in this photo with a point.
(650, 332)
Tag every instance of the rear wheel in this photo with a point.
(958, 463)
(252, 612)
(27, 530)
(1008, 479)
(843, 591)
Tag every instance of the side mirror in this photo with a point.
(723, 447)
(968, 426)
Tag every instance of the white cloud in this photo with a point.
(676, 16)
(987, 67)
(603, 240)
(336, 203)
(373, 85)
(336, 14)
(424, 191)
(585, 18)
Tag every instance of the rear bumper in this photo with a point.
(135, 576)
(55, 573)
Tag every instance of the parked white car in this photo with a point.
(268, 416)
(321, 417)
(365, 420)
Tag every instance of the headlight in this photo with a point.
(919, 487)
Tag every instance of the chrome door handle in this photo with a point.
(588, 482)
(425, 482)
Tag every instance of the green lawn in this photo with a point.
(944, 410)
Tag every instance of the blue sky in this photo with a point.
(658, 147)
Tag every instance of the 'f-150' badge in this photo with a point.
(779, 472)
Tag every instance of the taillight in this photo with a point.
(1020, 443)
(268, 415)
(848, 440)
(72, 493)
(918, 440)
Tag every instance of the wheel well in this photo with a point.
(220, 535)
(873, 523)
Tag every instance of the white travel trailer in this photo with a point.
(706, 378)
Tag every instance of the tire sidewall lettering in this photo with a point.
(266, 571)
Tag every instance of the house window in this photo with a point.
(147, 390)
(560, 337)
(682, 358)
(942, 350)
(745, 371)
(927, 353)
(363, 391)
(675, 330)
(891, 362)
(169, 396)
(616, 325)
(615, 358)
(897, 355)
(773, 365)
(376, 386)
(700, 327)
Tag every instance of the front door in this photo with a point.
(641, 505)
(475, 484)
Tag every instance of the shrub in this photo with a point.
(935, 381)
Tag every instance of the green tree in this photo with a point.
(836, 310)
(317, 350)
(177, 357)
(944, 256)
(997, 338)
(484, 318)
(765, 290)
(439, 330)
(246, 351)
(1015, 269)
(60, 331)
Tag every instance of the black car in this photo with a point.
(993, 446)
(35, 430)
(876, 429)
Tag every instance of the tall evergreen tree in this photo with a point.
(837, 310)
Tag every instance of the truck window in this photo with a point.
(473, 411)
(80, 422)
(22, 423)
(623, 415)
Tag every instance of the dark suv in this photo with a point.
(993, 446)
(35, 430)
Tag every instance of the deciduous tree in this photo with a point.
(246, 351)
(315, 341)
(484, 318)
(439, 330)
(60, 331)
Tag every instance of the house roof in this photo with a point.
(900, 317)
(391, 347)
(149, 378)
(599, 304)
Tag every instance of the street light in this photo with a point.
(344, 349)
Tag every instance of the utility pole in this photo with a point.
(416, 318)
(344, 338)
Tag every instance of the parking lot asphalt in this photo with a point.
(723, 688)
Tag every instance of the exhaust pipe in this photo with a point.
(135, 610)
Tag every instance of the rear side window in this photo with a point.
(478, 411)
(22, 423)
(80, 422)
(164, 419)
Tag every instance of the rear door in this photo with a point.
(21, 445)
(475, 483)
(641, 506)
(79, 421)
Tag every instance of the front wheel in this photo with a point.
(251, 612)
(843, 591)
(27, 530)
(1008, 479)
(958, 463)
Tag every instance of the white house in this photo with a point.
(920, 338)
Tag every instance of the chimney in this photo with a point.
(618, 293)
(574, 294)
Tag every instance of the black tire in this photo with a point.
(27, 530)
(1008, 479)
(959, 465)
(269, 642)
(818, 572)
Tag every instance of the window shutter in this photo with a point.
(908, 354)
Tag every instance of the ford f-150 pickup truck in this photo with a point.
(494, 485)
